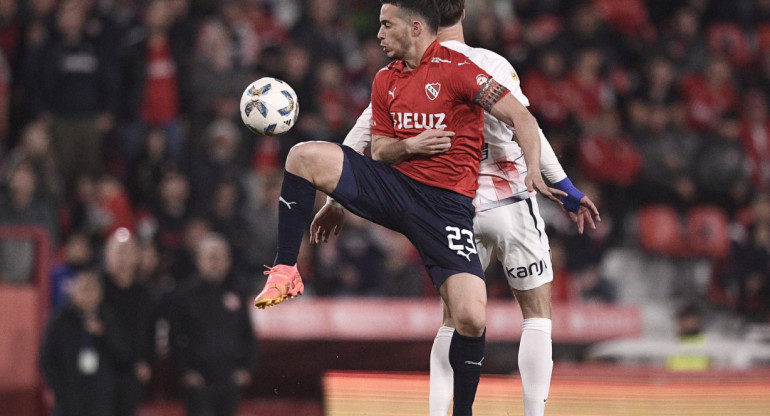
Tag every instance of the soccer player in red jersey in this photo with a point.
(427, 126)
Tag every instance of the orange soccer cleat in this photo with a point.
(283, 282)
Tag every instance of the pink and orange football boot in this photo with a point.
(283, 282)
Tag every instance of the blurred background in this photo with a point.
(137, 212)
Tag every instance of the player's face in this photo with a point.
(394, 32)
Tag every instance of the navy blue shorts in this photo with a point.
(437, 221)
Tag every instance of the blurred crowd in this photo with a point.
(124, 114)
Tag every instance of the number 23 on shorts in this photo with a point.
(454, 237)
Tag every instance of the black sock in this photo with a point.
(466, 355)
(295, 211)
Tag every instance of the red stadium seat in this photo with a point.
(660, 231)
(708, 232)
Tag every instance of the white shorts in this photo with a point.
(516, 233)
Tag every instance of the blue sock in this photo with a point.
(295, 210)
(466, 355)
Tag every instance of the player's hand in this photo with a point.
(330, 218)
(429, 142)
(587, 214)
(535, 182)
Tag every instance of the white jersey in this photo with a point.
(502, 169)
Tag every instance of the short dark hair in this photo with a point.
(427, 9)
(450, 11)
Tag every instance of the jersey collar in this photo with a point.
(432, 50)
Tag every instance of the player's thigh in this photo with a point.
(440, 225)
(373, 190)
(320, 163)
(518, 234)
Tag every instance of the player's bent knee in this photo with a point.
(311, 159)
(470, 322)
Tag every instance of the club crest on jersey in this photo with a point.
(432, 90)
(481, 79)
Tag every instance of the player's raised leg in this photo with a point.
(309, 166)
(466, 298)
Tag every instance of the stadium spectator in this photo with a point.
(669, 153)
(591, 286)
(588, 91)
(35, 146)
(153, 81)
(689, 332)
(545, 88)
(23, 202)
(145, 172)
(742, 283)
(80, 351)
(78, 255)
(354, 265)
(709, 95)
(722, 172)
(133, 311)
(211, 334)
(321, 30)
(220, 158)
(78, 89)
(171, 210)
(681, 42)
(332, 98)
(608, 157)
(229, 216)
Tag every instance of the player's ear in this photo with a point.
(416, 28)
(463, 16)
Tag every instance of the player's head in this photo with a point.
(450, 12)
(404, 21)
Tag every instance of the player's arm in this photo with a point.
(360, 136)
(427, 143)
(493, 98)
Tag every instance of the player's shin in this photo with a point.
(535, 364)
(295, 211)
(441, 374)
(466, 354)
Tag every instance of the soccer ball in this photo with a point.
(269, 106)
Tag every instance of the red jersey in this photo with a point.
(438, 94)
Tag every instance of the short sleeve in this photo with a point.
(466, 79)
(381, 123)
(360, 135)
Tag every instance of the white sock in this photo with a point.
(441, 374)
(535, 364)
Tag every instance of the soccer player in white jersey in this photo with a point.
(507, 221)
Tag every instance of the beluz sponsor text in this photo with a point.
(418, 120)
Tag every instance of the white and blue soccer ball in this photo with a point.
(269, 106)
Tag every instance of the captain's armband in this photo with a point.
(489, 94)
